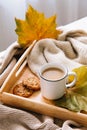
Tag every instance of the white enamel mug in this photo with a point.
(55, 89)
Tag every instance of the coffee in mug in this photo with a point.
(53, 74)
(53, 80)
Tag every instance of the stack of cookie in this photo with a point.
(27, 87)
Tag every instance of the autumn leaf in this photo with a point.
(75, 98)
(35, 27)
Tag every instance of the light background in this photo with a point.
(67, 11)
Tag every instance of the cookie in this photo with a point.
(21, 90)
(32, 83)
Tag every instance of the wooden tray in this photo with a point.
(36, 102)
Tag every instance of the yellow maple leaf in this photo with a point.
(35, 27)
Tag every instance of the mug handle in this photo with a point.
(74, 81)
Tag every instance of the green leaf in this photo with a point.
(75, 98)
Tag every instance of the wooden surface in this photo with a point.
(35, 102)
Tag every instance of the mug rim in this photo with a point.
(60, 66)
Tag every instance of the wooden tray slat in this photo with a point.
(43, 108)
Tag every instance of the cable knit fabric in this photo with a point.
(69, 49)
(14, 119)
